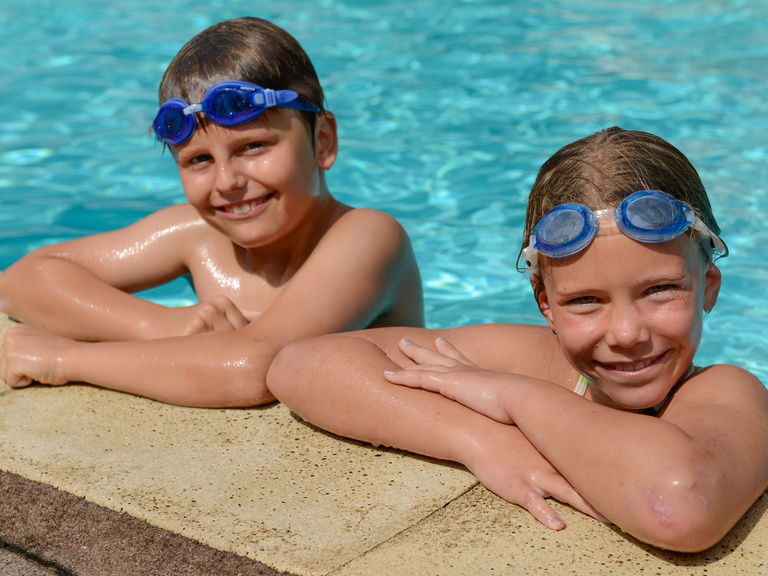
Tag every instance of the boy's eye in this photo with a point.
(199, 159)
(254, 145)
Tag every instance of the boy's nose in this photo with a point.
(228, 177)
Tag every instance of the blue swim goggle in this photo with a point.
(648, 216)
(225, 104)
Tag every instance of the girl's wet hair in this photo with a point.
(244, 49)
(601, 170)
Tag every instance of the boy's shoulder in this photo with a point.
(371, 222)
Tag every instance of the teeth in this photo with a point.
(240, 208)
(632, 367)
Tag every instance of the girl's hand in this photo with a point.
(505, 462)
(511, 467)
(449, 373)
(28, 356)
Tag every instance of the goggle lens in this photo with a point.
(229, 107)
(653, 217)
(565, 230)
(171, 124)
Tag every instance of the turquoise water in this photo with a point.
(446, 111)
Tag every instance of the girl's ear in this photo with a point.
(712, 279)
(326, 140)
(540, 293)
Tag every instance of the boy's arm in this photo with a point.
(362, 268)
(80, 289)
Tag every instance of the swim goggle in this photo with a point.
(225, 104)
(648, 216)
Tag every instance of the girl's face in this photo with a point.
(629, 314)
(259, 181)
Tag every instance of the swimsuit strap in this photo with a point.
(653, 411)
(582, 384)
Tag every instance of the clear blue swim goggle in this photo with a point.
(225, 104)
(648, 216)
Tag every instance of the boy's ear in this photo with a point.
(326, 140)
(540, 293)
(712, 280)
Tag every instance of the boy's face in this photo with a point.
(256, 182)
(629, 314)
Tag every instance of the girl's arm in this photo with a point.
(363, 268)
(81, 288)
(678, 481)
(337, 383)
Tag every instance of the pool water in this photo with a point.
(446, 111)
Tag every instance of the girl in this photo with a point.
(273, 257)
(603, 409)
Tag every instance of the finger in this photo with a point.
(236, 318)
(415, 378)
(565, 493)
(422, 355)
(542, 511)
(449, 350)
(18, 381)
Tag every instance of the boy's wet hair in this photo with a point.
(244, 49)
(601, 170)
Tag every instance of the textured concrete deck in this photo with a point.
(101, 483)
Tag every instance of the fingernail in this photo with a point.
(557, 522)
(405, 341)
(388, 372)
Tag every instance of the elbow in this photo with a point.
(681, 514)
(284, 371)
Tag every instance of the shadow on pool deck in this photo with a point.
(95, 482)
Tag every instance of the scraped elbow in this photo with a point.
(679, 515)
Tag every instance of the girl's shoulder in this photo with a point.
(723, 385)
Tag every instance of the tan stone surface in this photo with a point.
(262, 484)
(482, 534)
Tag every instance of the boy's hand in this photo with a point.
(28, 355)
(212, 316)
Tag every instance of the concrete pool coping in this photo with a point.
(97, 482)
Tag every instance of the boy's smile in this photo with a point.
(629, 315)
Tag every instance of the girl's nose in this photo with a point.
(626, 328)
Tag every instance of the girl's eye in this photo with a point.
(662, 288)
(582, 301)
